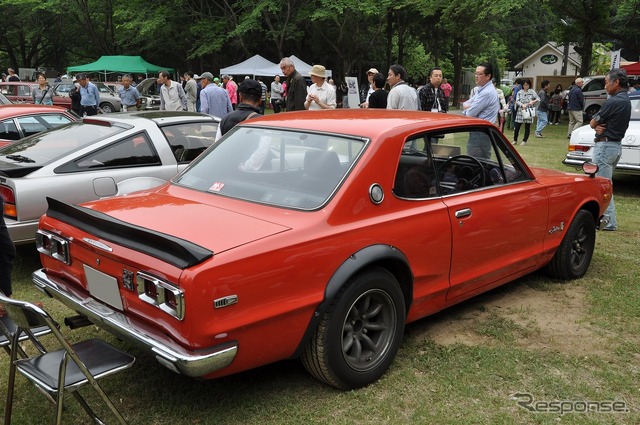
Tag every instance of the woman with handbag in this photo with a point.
(526, 100)
(43, 94)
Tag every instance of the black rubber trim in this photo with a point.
(175, 251)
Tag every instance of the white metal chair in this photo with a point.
(51, 370)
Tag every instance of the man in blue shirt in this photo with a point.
(214, 100)
(129, 95)
(484, 104)
(89, 96)
(611, 123)
(575, 106)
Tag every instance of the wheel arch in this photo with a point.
(594, 209)
(385, 256)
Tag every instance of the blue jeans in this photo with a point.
(542, 121)
(607, 155)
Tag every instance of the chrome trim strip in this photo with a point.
(168, 352)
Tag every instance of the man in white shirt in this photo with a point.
(402, 95)
(172, 97)
(320, 95)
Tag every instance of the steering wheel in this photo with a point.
(478, 177)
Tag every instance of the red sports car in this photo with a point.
(319, 235)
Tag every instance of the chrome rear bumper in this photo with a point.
(166, 351)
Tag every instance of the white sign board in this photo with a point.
(353, 97)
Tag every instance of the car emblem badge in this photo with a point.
(98, 244)
(127, 279)
(555, 229)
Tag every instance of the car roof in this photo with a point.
(7, 111)
(19, 83)
(367, 123)
(160, 117)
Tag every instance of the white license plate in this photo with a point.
(103, 287)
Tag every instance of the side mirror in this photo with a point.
(590, 168)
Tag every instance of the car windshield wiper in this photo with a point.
(19, 158)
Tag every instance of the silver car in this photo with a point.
(109, 101)
(97, 157)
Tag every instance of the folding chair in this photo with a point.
(52, 371)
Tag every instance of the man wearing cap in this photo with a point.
(214, 100)
(191, 91)
(296, 93)
(249, 106)
(364, 98)
(320, 95)
(172, 97)
(432, 98)
(129, 95)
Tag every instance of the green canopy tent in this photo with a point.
(110, 64)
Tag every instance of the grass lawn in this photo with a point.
(489, 360)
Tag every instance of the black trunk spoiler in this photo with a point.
(175, 251)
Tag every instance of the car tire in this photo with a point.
(107, 108)
(360, 333)
(591, 111)
(573, 256)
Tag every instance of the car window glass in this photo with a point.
(277, 167)
(63, 88)
(36, 124)
(51, 145)
(415, 176)
(466, 160)
(8, 130)
(635, 109)
(189, 140)
(594, 85)
(24, 90)
(132, 151)
(9, 90)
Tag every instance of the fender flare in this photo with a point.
(356, 262)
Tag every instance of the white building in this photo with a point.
(547, 61)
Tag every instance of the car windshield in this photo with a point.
(276, 167)
(45, 147)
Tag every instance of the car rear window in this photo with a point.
(276, 167)
(43, 148)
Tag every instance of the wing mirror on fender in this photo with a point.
(590, 168)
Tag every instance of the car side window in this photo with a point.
(36, 124)
(415, 176)
(8, 130)
(187, 141)
(24, 90)
(130, 152)
(463, 160)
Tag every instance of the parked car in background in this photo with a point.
(22, 120)
(595, 94)
(148, 91)
(91, 158)
(20, 92)
(318, 235)
(582, 142)
(109, 101)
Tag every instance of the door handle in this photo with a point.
(463, 213)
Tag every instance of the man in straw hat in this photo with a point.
(320, 95)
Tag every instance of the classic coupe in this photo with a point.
(22, 120)
(318, 235)
(95, 158)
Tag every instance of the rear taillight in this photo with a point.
(163, 295)
(579, 148)
(53, 245)
(9, 197)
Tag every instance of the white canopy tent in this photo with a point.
(301, 66)
(252, 66)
